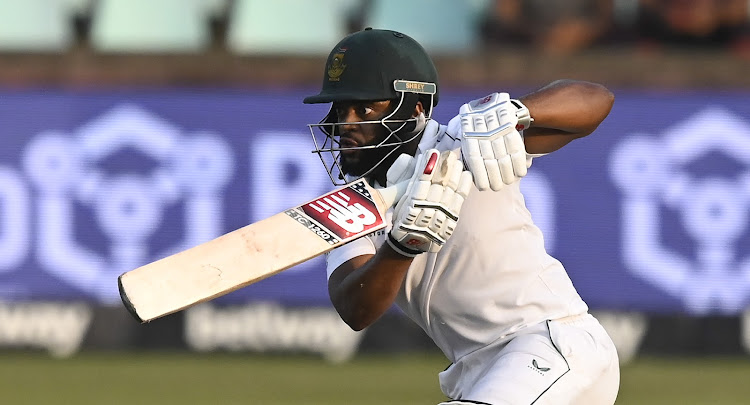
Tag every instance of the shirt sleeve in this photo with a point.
(339, 256)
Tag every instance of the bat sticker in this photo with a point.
(344, 214)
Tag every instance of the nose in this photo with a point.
(347, 120)
(347, 115)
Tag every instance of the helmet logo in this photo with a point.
(337, 66)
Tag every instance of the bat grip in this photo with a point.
(392, 194)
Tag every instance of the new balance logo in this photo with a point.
(346, 212)
(352, 218)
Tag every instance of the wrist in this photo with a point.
(522, 114)
(401, 249)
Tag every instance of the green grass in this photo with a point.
(693, 381)
(172, 378)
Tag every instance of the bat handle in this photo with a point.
(393, 193)
(390, 195)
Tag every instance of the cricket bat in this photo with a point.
(256, 251)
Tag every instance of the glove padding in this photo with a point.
(427, 214)
(492, 147)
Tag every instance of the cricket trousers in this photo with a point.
(564, 361)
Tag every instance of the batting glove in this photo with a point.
(491, 144)
(427, 214)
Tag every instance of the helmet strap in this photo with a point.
(404, 112)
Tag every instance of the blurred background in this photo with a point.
(132, 129)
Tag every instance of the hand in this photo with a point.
(402, 168)
(491, 143)
(427, 214)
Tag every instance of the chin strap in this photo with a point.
(420, 123)
(404, 112)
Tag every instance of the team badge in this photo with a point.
(336, 67)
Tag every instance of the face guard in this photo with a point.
(400, 128)
(372, 65)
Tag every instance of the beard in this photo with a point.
(358, 162)
(376, 160)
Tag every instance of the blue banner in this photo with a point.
(649, 213)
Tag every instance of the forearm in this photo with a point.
(563, 111)
(364, 288)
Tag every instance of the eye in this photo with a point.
(340, 112)
(360, 110)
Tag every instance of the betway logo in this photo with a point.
(56, 327)
(268, 327)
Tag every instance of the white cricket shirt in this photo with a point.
(492, 278)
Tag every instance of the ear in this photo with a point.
(418, 109)
(421, 120)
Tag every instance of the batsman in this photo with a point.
(462, 256)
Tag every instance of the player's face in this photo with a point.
(352, 135)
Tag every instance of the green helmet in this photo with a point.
(377, 65)
(373, 65)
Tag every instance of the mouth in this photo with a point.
(347, 143)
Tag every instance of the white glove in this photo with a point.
(402, 169)
(427, 214)
(491, 143)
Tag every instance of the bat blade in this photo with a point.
(256, 251)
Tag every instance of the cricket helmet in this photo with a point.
(366, 65)
(371, 65)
